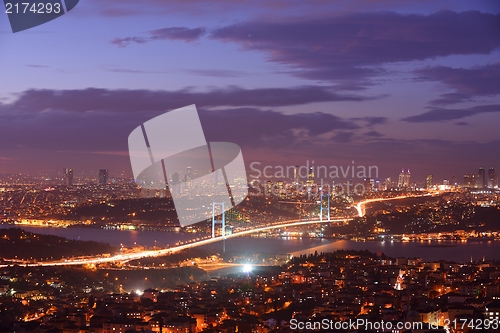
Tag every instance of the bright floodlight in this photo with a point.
(247, 268)
(138, 292)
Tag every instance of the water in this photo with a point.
(114, 237)
(430, 251)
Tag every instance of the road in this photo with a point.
(360, 206)
(161, 252)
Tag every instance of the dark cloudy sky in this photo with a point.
(392, 83)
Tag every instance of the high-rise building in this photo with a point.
(279, 187)
(388, 183)
(407, 179)
(175, 178)
(453, 181)
(401, 179)
(103, 176)
(492, 178)
(188, 177)
(429, 182)
(404, 179)
(269, 187)
(310, 176)
(481, 178)
(368, 185)
(68, 176)
(469, 180)
(296, 175)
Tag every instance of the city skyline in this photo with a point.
(249, 166)
(415, 84)
(315, 176)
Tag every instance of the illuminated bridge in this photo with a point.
(161, 252)
(192, 244)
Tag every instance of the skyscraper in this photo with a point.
(492, 178)
(188, 177)
(401, 179)
(407, 179)
(481, 178)
(310, 176)
(269, 187)
(103, 176)
(388, 183)
(176, 179)
(469, 180)
(404, 179)
(296, 175)
(429, 182)
(68, 176)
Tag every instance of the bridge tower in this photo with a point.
(222, 221)
(322, 207)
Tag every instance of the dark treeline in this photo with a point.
(174, 258)
(333, 256)
(20, 244)
(155, 278)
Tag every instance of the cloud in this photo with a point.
(266, 128)
(353, 48)
(123, 42)
(441, 114)
(119, 69)
(37, 66)
(374, 134)
(94, 99)
(178, 33)
(215, 72)
(371, 121)
(93, 119)
(343, 137)
(89, 129)
(451, 98)
(220, 73)
(173, 33)
(467, 82)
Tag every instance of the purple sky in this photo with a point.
(392, 83)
